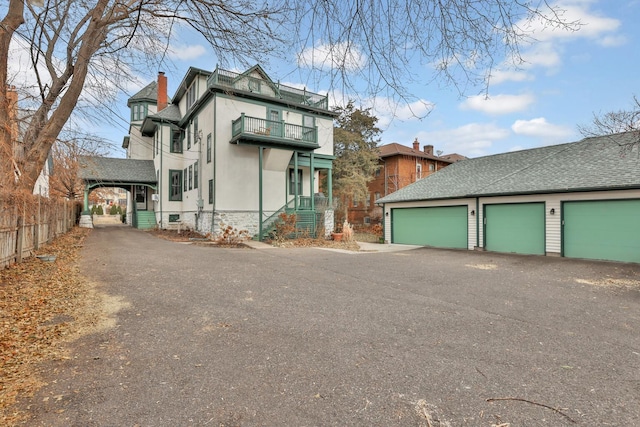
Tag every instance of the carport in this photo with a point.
(136, 176)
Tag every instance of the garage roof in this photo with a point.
(599, 163)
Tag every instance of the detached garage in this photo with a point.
(578, 200)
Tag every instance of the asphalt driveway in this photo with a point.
(308, 337)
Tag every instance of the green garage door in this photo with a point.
(442, 227)
(606, 229)
(515, 228)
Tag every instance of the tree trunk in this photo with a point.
(12, 20)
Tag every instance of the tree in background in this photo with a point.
(82, 52)
(616, 122)
(355, 145)
(64, 180)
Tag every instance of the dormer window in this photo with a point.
(254, 86)
(138, 112)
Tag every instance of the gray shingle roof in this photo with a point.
(106, 169)
(147, 93)
(599, 163)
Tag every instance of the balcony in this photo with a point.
(245, 83)
(278, 134)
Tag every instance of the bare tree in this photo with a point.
(64, 180)
(77, 46)
(615, 122)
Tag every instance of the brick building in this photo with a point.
(399, 166)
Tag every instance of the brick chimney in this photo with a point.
(428, 149)
(416, 145)
(162, 91)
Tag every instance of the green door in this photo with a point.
(515, 228)
(605, 229)
(442, 227)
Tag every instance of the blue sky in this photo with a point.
(565, 79)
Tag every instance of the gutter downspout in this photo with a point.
(477, 222)
(161, 193)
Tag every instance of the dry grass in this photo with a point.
(43, 305)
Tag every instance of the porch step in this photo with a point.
(145, 219)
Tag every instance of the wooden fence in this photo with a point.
(29, 223)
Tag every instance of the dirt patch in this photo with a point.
(611, 283)
(482, 266)
(43, 306)
(175, 236)
(198, 239)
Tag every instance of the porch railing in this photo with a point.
(273, 129)
(247, 83)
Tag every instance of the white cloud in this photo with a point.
(186, 52)
(539, 127)
(612, 41)
(504, 75)
(471, 140)
(333, 56)
(592, 25)
(541, 55)
(498, 104)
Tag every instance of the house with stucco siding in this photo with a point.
(231, 149)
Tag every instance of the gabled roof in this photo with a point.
(599, 163)
(171, 113)
(395, 149)
(110, 170)
(191, 74)
(148, 94)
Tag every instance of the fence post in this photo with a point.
(36, 240)
(20, 237)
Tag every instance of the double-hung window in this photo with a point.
(176, 141)
(195, 175)
(292, 182)
(175, 181)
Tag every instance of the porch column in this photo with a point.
(295, 180)
(330, 186)
(260, 158)
(312, 177)
(85, 211)
(85, 218)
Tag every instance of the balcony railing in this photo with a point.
(247, 83)
(277, 131)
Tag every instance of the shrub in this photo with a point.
(113, 210)
(99, 210)
(230, 235)
(285, 227)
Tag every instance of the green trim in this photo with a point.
(320, 161)
(478, 223)
(263, 100)
(260, 160)
(118, 184)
